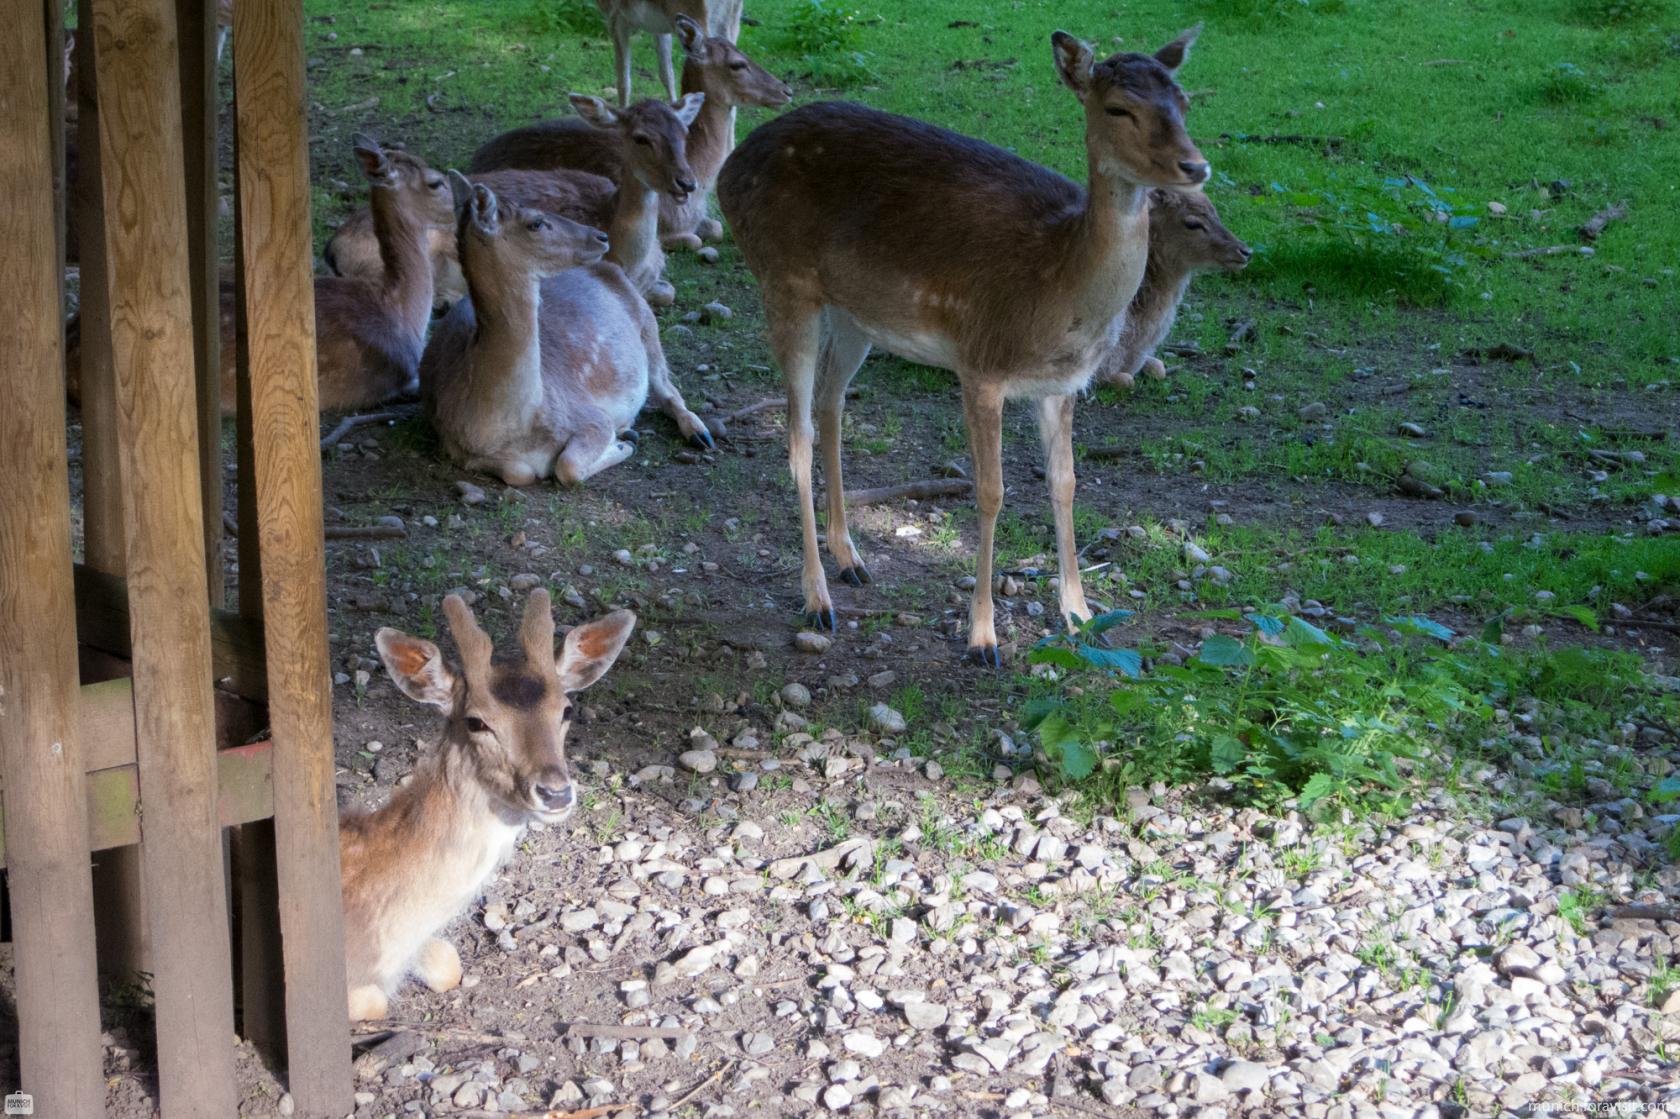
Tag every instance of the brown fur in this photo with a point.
(369, 335)
(1185, 237)
(412, 865)
(713, 66)
(868, 229)
(551, 357)
(625, 17)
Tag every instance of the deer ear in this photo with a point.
(687, 107)
(693, 38)
(416, 666)
(594, 110)
(460, 191)
(590, 649)
(1074, 60)
(486, 215)
(372, 157)
(1172, 55)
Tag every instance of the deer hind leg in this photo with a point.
(667, 73)
(795, 336)
(1055, 427)
(367, 1003)
(983, 413)
(679, 242)
(438, 965)
(843, 349)
(590, 451)
(662, 390)
(621, 31)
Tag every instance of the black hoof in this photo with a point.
(856, 576)
(987, 656)
(823, 619)
(703, 440)
(630, 435)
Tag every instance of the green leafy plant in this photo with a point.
(825, 35)
(1287, 709)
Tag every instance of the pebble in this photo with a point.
(470, 494)
(697, 761)
(809, 641)
(796, 695)
(715, 312)
(887, 720)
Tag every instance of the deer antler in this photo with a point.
(536, 632)
(472, 641)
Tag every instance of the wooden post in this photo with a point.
(152, 332)
(285, 424)
(197, 22)
(41, 765)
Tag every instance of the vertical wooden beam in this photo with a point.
(53, 10)
(196, 20)
(151, 338)
(285, 425)
(40, 753)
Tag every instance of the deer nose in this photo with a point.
(600, 239)
(556, 797)
(1195, 171)
(687, 186)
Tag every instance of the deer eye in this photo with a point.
(537, 225)
(737, 65)
(1117, 111)
(642, 140)
(436, 184)
(1194, 225)
(566, 715)
(475, 725)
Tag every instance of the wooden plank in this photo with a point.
(236, 643)
(56, 984)
(196, 20)
(285, 426)
(244, 793)
(151, 336)
(54, 45)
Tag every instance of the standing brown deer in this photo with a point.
(713, 67)
(544, 367)
(411, 866)
(369, 332)
(867, 229)
(626, 17)
(1185, 237)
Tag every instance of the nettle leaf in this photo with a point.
(1126, 661)
(1318, 786)
(1494, 631)
(1461, 221)
(1061, 740)
(1299, 632)
(1581, 614)
(1227, 753)
(1059, 655)
(1035, 711)
(1225, 652)
(1267, 624)
(1105, 622)
(1419, 625)
(1666, 790)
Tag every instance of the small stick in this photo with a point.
(933, 487)
(626, 1033)
(365, 532)
(1653, 623)
(751, 409)
(229, 525)
(1106, 452)
(1646, 913)
(1551, 250)
(700, 1087)
(1287, 138)
(356, 107)
(351, 423)
(1593, 226)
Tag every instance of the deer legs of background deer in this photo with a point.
(795, 337)
(1055, 426)
(983, 415)
(842, 351)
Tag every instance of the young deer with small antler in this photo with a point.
(411, 866)
(1185, 237)
(867, 229)
(713, 67)
(625, 17)
(544, 367)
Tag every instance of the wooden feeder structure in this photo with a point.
(162, 752)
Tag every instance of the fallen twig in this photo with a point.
(700, 1087)
(1652, 623)
(627, 1033)
(1593, 226)
(854, 851)
(1551, 250)
(351, 423)
(933, 487)
(365, 532)
(1646, 913)
(1286, 138)
(394, 1049)
(356, 107)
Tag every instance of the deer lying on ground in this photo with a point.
(721, 18)
(1185, 237)
(714, 67)
(867, 229)
(369, 333)
(412, 865)
(544, 367)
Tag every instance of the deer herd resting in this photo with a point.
(864, 230)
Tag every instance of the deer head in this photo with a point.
(1134, 111)
(1185, 230)
(520, 240)
(507, 718)
(729, 76)
(655, 138)
(425, 192)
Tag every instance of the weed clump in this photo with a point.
(825, 35)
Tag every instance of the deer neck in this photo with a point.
(507, 346)
(712, 135)
(1111, 242)
(633, 234)
(409, 278)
